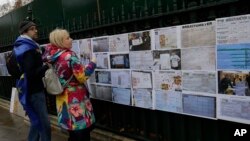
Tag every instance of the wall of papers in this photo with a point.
(198, 69)
(170, 69)
(3, 68)
(233, 68)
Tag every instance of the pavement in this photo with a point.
(14, 128)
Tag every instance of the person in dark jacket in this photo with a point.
(224, 84)
(30, 85)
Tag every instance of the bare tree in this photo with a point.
(18, 3)
(9, 6)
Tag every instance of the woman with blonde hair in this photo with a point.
(74, 109)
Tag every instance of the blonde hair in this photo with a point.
(56, 37)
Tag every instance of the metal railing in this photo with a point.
(139, 123)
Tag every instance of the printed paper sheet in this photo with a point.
(168, 80)
(166, 38)
(198, 59)
(168, 101)
(121, 96)
(198, 34)
(234, 108)
(199, 81)
(121, 79)
(199, 105)
(143, 98)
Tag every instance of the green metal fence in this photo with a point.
(90, 18)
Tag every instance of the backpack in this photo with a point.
(52, 83)
(51, 80)
(12, 65)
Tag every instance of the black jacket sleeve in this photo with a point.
(33, 65)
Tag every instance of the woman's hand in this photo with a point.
(93, 60)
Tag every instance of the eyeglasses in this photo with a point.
(32, 28)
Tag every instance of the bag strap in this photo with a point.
(67, 82)
(54, 58)
(87, 87)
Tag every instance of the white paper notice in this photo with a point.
(103, 93)
(142, 98)
(118, 43)
(168, 101)
(199, 105)
(103, 77)
(141, 79)
(100, 44)
(141, 60)
(121, 96)
(198, 59)
(168, 80)
(121, 79)
(85, 51)
(165, 61)
(165, 38)
(234, 108)
(198, 34)
(233, 30)
(199, 82)
(102, 61)
(75, 47)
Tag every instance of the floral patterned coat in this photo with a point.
(74, 108)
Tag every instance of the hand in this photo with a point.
(93, 60)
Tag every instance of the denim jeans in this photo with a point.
(38, 103)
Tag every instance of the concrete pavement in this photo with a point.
(16, 128)
(13, 128)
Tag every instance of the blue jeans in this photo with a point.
(38, 103)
